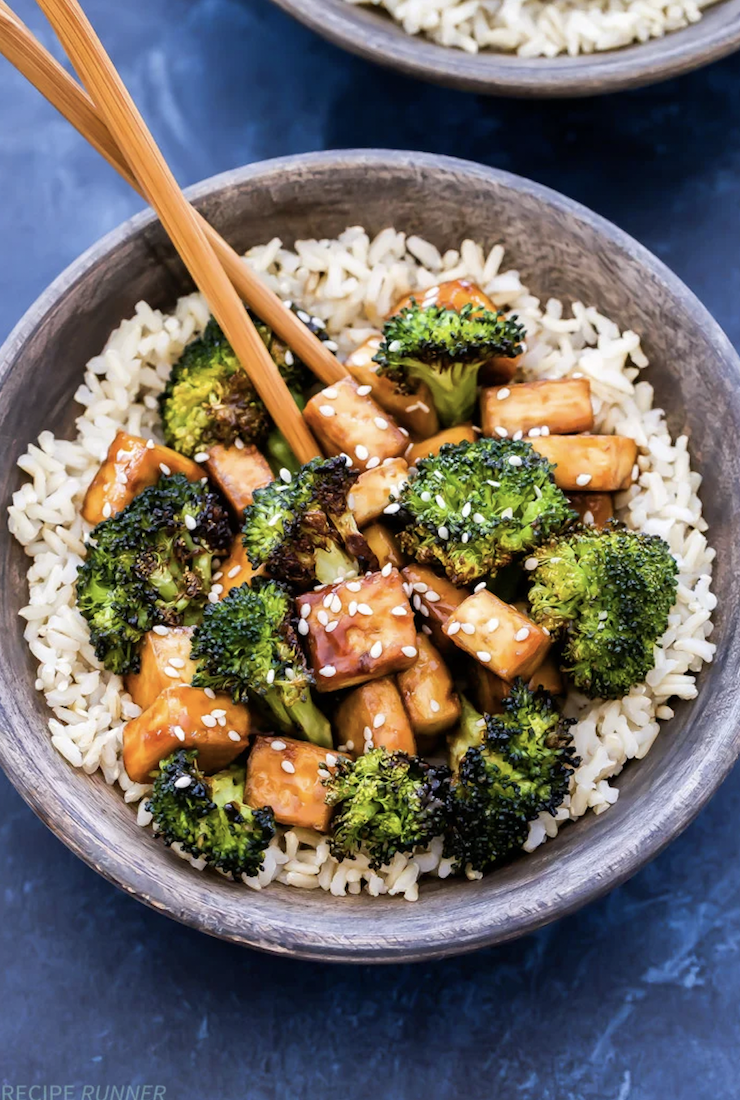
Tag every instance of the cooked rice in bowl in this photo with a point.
(351, 283)
(533, 28)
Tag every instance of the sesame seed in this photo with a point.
(515, 460)
(544, 430)
(303, 316)
(177, 662)
(209, 721)
(443, 532)
(150, 444)
(285, 475)
(517, 436)
(349, 746)
(433, 706)
(408, 588)
(278, 746)
(583, 479)
(508, 513)
(433, 597)
(492, 625)
(426, 629)
(159, 629)
(522, 634)
(453, 628)
(483, 656)
(387, 569)
(330, 392)
(362, 452)
(417, 603)
(364, 609)
(480, 586)
(336, 604)
(326, 410)
(289, 358)
(287, 766)
(363, 391)
(420, 586)
(503, 393)
(376, 650)
(380, 422)
(213, 597)
(466, 509)
(327, 670)
(534, 433)
(367, 734)
(378, 721)
(347, 459)
(466, 537)
(467, 628)
(328, 598)
(588, 518)
(233, 735)
(440, 501)
(270, 677)
(424, 610)
(303, 627)
(426, 496)
(323, 617)
(165, 469)
(183, 782)
(217, 588)
(332, 626)
(603, 615)
(170, 671)
(399, 610)
(239, 444)
(107, 509)
(372, 462)
(209, 693)
(635, 472)
(352, 609)
(500, 432)
(202, 456)
(409, 651)
(234, 572)
(353, 586)
(391, 509)
(179, 733)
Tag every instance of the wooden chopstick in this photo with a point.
(33, 60)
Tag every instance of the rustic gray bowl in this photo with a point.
(371, 33)
(561, 249)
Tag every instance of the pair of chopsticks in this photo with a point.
(110, 121)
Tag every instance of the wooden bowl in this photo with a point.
(374, 35)
(561, 250)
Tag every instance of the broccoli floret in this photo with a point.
(150, 564)
(509, 768)
(446, 349)
(304, 532)
(473, 507)
(247, 646)
(607, 593)
(207, 815)
(209, 398)
(387, 802)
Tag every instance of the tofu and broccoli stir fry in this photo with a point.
(375, 645)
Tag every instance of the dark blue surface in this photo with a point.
(637, 996)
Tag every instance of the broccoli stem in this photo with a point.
(304, 715)
(332, 564)
(279, 454)
(454, 390)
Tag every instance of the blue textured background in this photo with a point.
(635, 998)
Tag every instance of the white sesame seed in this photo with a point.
(440, 501)
(287, 766)
(480, 586)
(391, 509)
(467, 628)
(443, 532)
(433, 597)
(503, 393)
(375, 650)
(328, 598)
(508, 513)
(408, 588)
(409, 651)
(239, 444)
(159, 629)
(331, 759)
(183, 782)
(213, 597)
(327, 670)
(347, 459)
(362, 452)
(364, 609)
(289, 358)
(352, 609)
(367, 734)
(336, 604)
(278, 746)
(420, 586)
(466, 509)
(534, 433)
(107, 509)
(217, 588)
(635, 472)
(426, 629)
(349, 746)
(492, 625)
(177, 662)
(378, 721)
(522, 634)
(603, 615)
(483, 656)
(517, 436)
(583, 479)
(330, 393)
(209, 693)
(332, 626)
(179, 733)
(544, 430)
(433, 706)
(515, 460)
(209, 721)
(363, 391)
(165, 469)
(425, 496)
(285, 475)
(380, 422)
(234, 572)
(399, 610)
(588, 518)
(303, 316)
(387, 569)
(303, 627)
(172, 672)
(466, 537)
(479, 518)
(372, 462)
(326, 410)
(233, 735)
(501, 432)
(353, 586)
(150, 444)
(202, 456)
(322, 617)
(416, 601)
(270, 677)
(453, 628)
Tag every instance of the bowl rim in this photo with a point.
(374, 36)
(649, 835)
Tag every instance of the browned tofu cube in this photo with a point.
(598, 463)
(238, 471)
(346, 420)
(463, 433)
(498, 636)
(359, 630)
(185, 718)
(413, 411)
(376, 489)
(373, 716)
(428, 692)
(132, 465)
(594, 509)
(491, 690)
(287, 776)
(435, 598)
(236, 570)
(165, 661)
(563, 406)
(384, 545)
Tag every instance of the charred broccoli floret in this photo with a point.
(150, 564)
(247, 645)
(509, 768)
(607, 593)
(473, 507)
(446, 349)
(304, 532)
(207, 815)
(387, 802)
(209, 398)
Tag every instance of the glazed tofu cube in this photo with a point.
(594, 509)
(415, 411)
(287, 776)
(236, 570)
(463, 433)
(428, 693)
(598, 463)
(384, 545)
(497, 635)
(346, 420)
(165, 661)
(359, 630)
(562, 406)
(490, 690)
(377, 488)
(434, 598)
(373, 716)
(132, 465)
(185, 718)
(238, 471)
